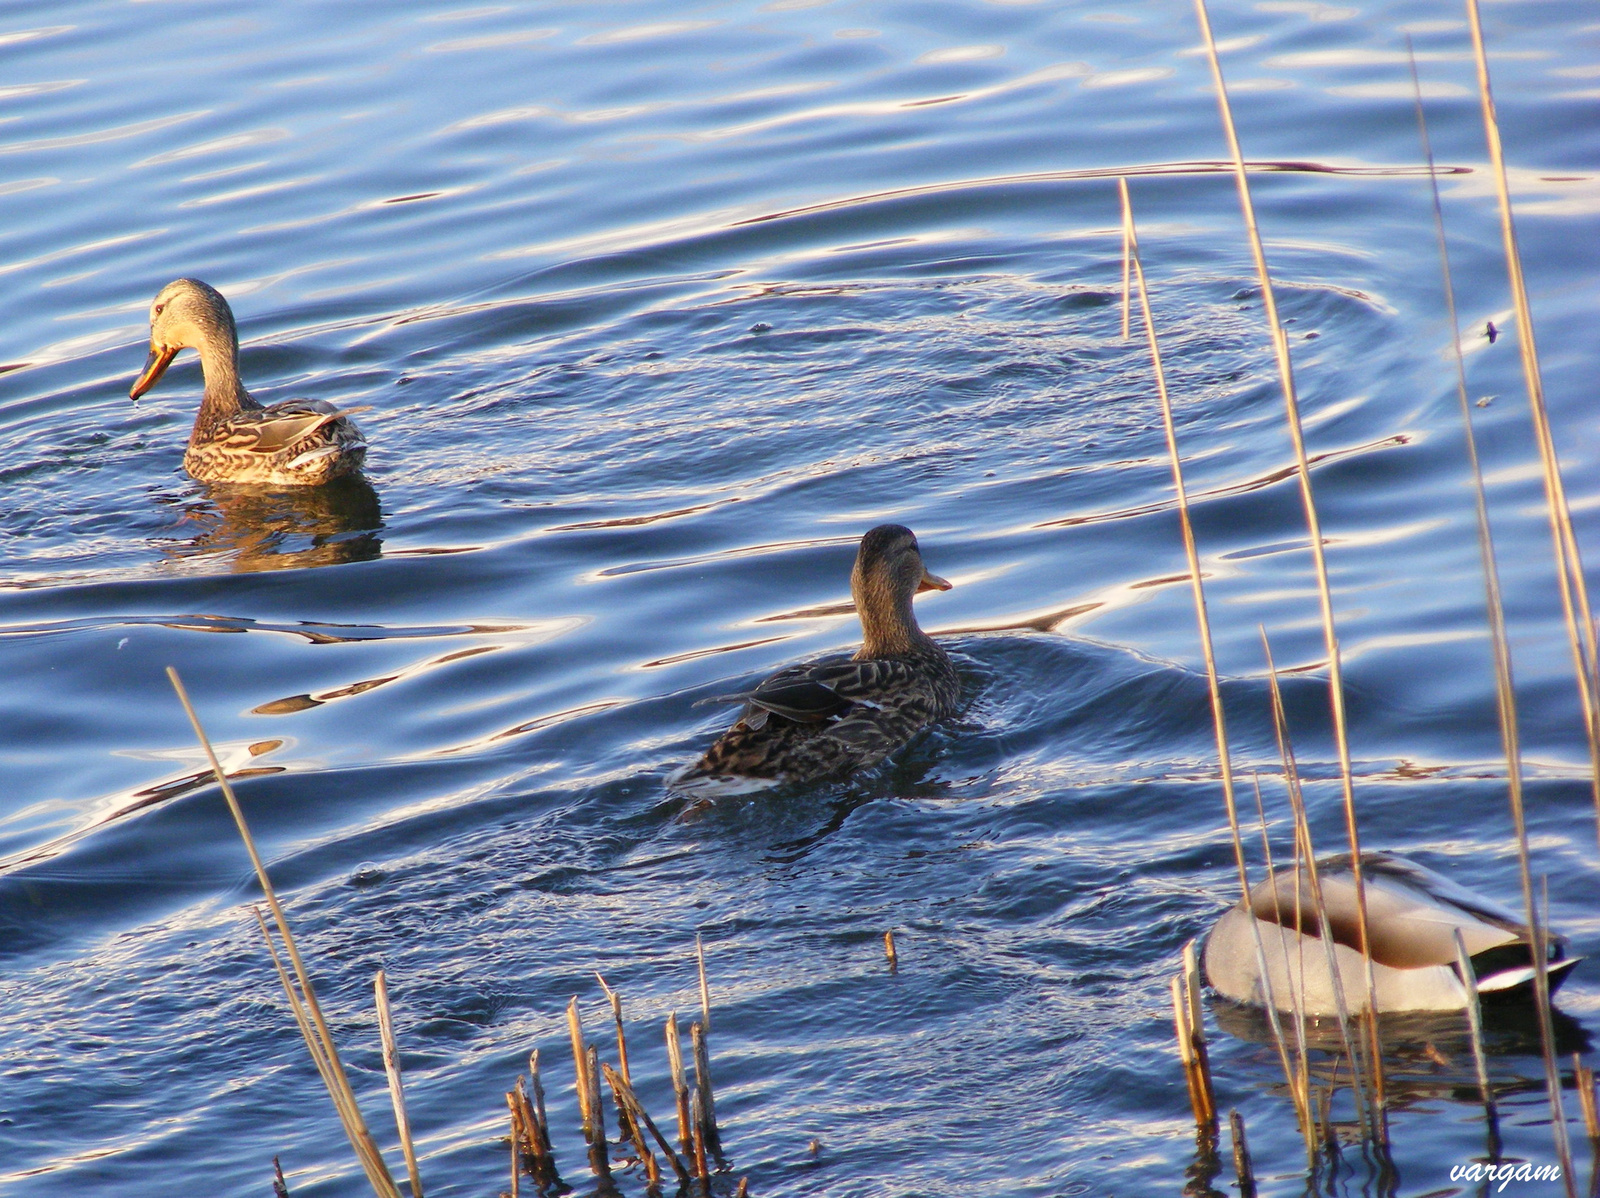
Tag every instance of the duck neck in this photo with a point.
(225, 395)
(888, 625)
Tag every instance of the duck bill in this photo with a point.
(932, 582)
(155, 365)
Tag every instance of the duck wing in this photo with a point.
(1412, 912)
(832, 690)
(273, 430)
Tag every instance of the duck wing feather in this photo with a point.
(1412, 912)
(273, 430)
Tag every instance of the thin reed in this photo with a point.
(1132, 261)
(391, 1069)
(302, 995)
(1280, 349)
(1574, 591)
(1569, 565)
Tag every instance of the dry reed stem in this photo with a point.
(1197, 1041)
(1127, 261)
(1569, 565)
(641, 1117)
(701, 1170)
(1202, 1056)
(705, 991)
(599, 1153)
(1197, 1027)
(391, 1069)
(622, 1039)
(280, 1188)
(333, 1075)
(1130, 239)
(342, 1099)
(1570, 570)
(1132, 259)
(547, 1157)
(628, 1126)
(1299, 1080)
(1291, 775)
(1242, 1166)
(1505, 690)
(580, 1073)
(1280, 348)
(1583, 1082)
(1191, 1074)
(301, 1018)
(702, 1077)
(1469, 981)
(680, 1085)
(623, 1130)
(888, 951)
(517, 1135)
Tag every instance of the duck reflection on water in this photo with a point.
(263, 528)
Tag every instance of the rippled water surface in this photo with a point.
(657, 307)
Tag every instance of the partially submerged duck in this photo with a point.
(299, 442)
(829, 718)
(1411, 915)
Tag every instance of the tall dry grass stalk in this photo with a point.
(1133, 271)
(1305, 855)
(391, 1069)
(1480, 1060)
(1569, 565)
(1569, 570)
(1280, 348)
(1505, 689)
(303, 1002)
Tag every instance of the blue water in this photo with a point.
(657, 308)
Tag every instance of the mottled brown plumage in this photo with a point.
(832, 717)
(299, 442)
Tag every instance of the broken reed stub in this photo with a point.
(628, 1127)
(391, 1069)
(680, 1086)
(1200, 1100)
(705, 990)
(888, 951)
(579, 1069)
(697, 1106)
(599, 1156)
(702, 1077)
(1583, 1082)
(517, 1139)
(641, 1119)
(280, 1188)
(1242, 1166)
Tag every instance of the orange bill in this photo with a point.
(160, 357)
(932, 582)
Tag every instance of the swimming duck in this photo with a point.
(834, 716)
(1411, 913)
(299, 442)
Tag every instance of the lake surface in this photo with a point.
(657, 308)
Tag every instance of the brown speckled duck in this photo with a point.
(829, 718)
(299, 442)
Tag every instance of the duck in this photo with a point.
(1412, 915)
(832, 717)
(299, 442)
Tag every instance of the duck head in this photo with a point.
(187, 314)
(888, 572)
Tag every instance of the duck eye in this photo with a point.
(158, 310)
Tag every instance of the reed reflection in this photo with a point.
(261, 528)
